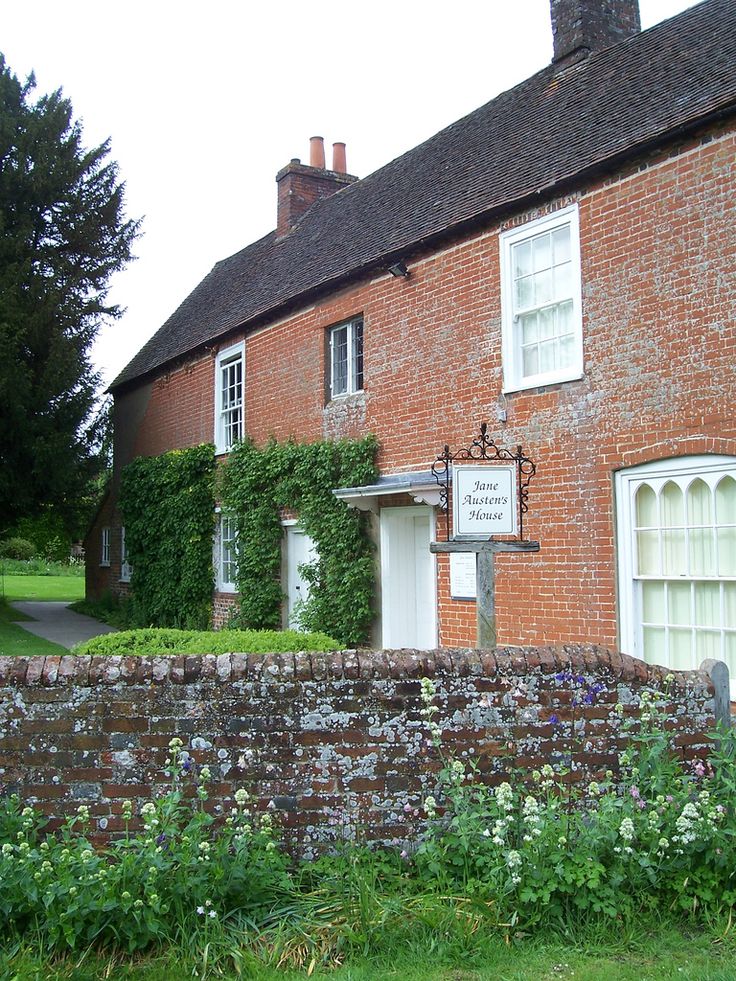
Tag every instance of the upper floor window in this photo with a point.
(229, 397)
(105, 547)
(346, 358)
(126, 569)
(676, 524)
(542, 334)
(226, 559)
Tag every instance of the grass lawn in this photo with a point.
(66, 588)
(15, 640)
(642, 957)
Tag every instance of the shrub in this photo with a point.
(153, 640)
(546, 849)
(17, 548)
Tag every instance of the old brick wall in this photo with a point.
(658, 241)
(336, 741)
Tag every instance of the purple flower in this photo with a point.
(161, 839)
(589, 698)
(186, 765)
(635, 793)
(554, 719)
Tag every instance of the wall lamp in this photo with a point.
(399, 270)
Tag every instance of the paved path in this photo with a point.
(56, 622)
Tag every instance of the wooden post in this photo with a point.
(485, 599)
(485, 580)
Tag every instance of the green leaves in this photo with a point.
(63, 233)
(257, 485)
(167, 503)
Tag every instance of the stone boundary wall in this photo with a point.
(332, 742)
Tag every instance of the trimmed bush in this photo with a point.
(152, 640)
(17, 548)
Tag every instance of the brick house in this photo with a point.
(559, 263)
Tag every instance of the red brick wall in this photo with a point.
(332, 739)
(658, 249)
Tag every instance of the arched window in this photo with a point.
(676, 536)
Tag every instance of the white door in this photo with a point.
(408, 602)
(300, 550)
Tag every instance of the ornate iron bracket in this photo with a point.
(484, 448)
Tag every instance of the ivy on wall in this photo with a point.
(256, 483)
(167, 504)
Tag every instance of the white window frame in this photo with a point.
(682, 471)
(513, 378)
(105, 539)
(355, 379)
(227, 358)
(219, 560)
(126, 569)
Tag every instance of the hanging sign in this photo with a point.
(484, 500)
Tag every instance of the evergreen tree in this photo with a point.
(63, 233)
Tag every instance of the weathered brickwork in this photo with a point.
(336, 741)
(658, 245)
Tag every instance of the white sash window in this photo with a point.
(677, 561)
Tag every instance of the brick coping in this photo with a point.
(85, 670)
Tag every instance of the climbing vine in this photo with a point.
(256, 484)
(167, 504)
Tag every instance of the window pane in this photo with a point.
(653, 602)
(563, 281)
(546, 323)
(522, 259)
(358, 355)
(524, 293)
(548, 356)
(561, 244)
(673, 511)
(678, 602)
(530, 361)
(707, 604)
(563, 313)
(543, 287)
(707, 644)
(702, 552)
(654, 645)
(727, 551)
(648, 553)
(567, 352)
(542, 251)
(646, 507)
(529, 328)
(681, 653)
(339, 361)
(726, 501)
(699, 504)
(673, 552)
(729, 604)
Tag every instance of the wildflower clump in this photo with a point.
(547, 845)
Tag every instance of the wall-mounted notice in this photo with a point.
(483, 501)
(462, 575)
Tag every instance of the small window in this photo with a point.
(346, 358)
(226, 558)
(541, 305)
(229, 397)
(105, 547)
(126, 569)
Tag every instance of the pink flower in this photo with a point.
(407, 808)
(404, 854)
(635, 793)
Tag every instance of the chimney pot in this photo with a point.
(338, 158)
(317, 152)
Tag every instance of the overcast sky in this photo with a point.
(204, 103)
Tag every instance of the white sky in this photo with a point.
(204, 103)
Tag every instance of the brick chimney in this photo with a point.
(300, 186)
(580, 27)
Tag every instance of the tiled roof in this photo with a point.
(544, 134)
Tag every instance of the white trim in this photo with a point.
(352, 387)
(513, 380)
(225, 357)
(221, 586)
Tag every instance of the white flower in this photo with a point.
(212, 914)
(241, 796)
(626, 829)
(513, 859)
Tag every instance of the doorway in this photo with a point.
(408, 596)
